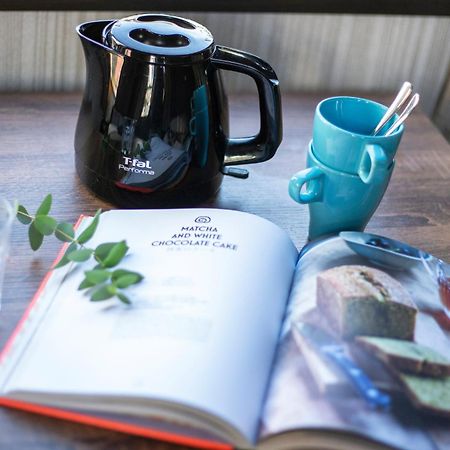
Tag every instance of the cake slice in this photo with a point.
(359, 300)
(428, 393)
(406, 356)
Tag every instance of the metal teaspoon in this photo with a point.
(403, 95)
(404, 115)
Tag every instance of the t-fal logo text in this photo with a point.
(137, 163)
(136, 166)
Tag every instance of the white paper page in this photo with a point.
(203, 326)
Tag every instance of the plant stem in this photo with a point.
(70, 239)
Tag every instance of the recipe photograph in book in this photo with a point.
(232, 340)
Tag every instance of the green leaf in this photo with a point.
(90, 230)
(64, 260)
(127, 280)
(45, 224)
(101, 252)
(103, 293)
(115, 255)
(35, 237)
(121, 272)
(97, 276)
(23, 215)
(123, 298)
(64, 232)
(85, 284)
(80, 255)
(45, 206)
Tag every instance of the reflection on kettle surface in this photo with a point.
(153, 126)
(153, 123)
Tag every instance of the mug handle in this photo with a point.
(314, 178)
(262, 146)
(373, 164)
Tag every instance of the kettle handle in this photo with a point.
(261, 147)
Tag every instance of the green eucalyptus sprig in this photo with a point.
(102, 282)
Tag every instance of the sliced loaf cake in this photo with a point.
(359, 300)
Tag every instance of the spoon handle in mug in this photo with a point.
(404, 115)
(403, 95)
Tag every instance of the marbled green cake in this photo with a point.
(360, 300)
(406, 356)
(431, 394)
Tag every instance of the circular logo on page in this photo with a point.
(203, 219)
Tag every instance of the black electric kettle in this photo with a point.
(153, 124)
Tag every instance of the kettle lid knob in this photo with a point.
(159, 38)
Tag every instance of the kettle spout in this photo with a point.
(91, 33)
(94, 110)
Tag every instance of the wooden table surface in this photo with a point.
(36, 135)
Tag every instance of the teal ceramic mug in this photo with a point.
(342, 137)
(337, 201)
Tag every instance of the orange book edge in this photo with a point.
(86, 419)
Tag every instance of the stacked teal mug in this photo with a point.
(348, 169)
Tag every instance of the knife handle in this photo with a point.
(362, 382)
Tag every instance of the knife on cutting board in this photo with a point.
(336, 375)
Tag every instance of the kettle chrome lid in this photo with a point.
(159, 38)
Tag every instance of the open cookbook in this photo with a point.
(233, 340)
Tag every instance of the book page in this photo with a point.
(201, 331)
(309, 391)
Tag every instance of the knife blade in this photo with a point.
(334, 351)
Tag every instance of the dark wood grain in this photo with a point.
(412, 7)
(36, 132)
